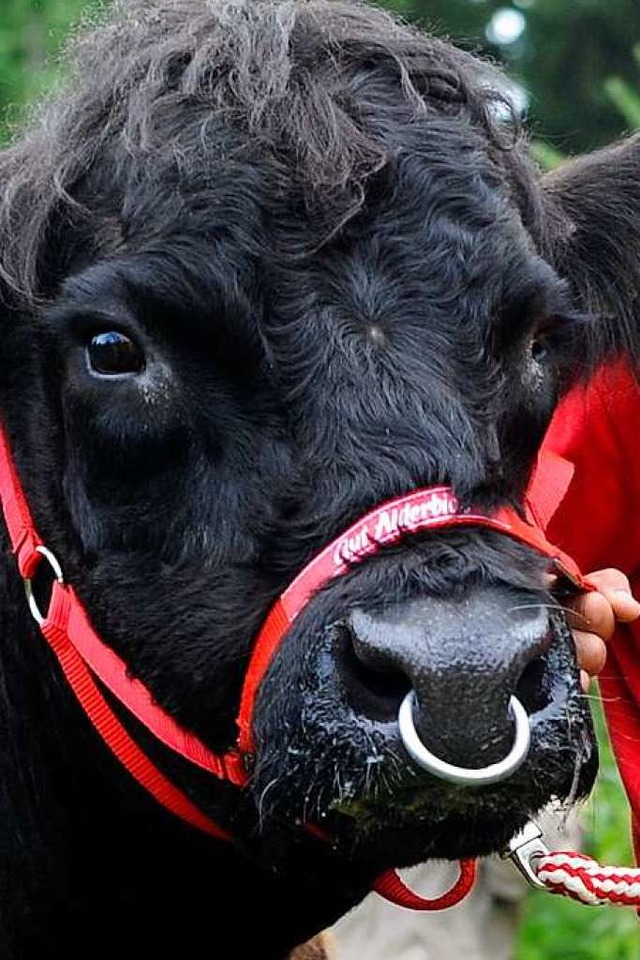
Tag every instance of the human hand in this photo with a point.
(594, 616)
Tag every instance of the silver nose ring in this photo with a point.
(448, 771)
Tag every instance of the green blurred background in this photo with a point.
(575, 67)
(573, 61)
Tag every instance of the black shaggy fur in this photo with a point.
(343, 279)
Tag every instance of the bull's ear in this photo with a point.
(593, 208)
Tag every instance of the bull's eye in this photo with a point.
(538, 349)
(113, 354)
(546, 330)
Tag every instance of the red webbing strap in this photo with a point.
(82, 654)
(548, 486)
(392, 887)
(66, 619)
(22, 532)
(108, 725)
(68, 614)
(272, 632)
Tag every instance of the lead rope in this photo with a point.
(584, 879)
(572, 874)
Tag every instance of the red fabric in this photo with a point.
(68, 614)
(597, 521)
(115, 735)
(392, 887)
(24, 537)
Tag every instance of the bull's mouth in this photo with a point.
(418, 818)
(425, 819)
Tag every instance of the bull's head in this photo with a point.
(271, 267)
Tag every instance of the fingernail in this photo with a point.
(626, 595)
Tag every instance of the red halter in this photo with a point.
(85, 657)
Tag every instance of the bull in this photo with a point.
(270, 271)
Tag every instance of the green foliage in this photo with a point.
(546, 155)
(569, 49)
(626, 103)
(624, 97)
(562, 58)
(31, 33)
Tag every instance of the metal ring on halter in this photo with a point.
(28, 589)
(463, 775)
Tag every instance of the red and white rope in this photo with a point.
(584, 879)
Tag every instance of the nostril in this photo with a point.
(533, 689)
(375, 687)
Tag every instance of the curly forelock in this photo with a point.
(153, 81)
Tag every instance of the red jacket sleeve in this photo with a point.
(597, 521)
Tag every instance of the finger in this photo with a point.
(591, 651)
(615, 587)
(593, 613)
(609, 579)
(625, 606)
(585, 681)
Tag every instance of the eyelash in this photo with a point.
(559, 330)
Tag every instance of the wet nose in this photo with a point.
(468, 664)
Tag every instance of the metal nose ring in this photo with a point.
(448, 771)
